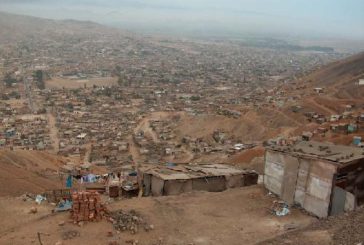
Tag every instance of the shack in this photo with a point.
(323, 178)
(161, 180)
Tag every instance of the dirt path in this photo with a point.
(144, 126)
(134, 150)
(53, 132)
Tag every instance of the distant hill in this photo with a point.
(350, 68)
(18, 28)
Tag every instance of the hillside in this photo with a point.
(341, 77)
(338, 71)
(28, 171)
(15, 28)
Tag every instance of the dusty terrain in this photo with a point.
(73, 84)
(236, 216)
(28, 171)
(343, 229)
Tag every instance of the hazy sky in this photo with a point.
(296, 18)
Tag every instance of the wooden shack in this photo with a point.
(324, 179)
(161, 180)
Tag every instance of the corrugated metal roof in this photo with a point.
(184, 172)
(339, 154)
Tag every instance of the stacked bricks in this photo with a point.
(87, 206)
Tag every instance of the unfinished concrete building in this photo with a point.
(324, 179)
(161, 180)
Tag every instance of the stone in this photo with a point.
(61, 223)
(33, 210)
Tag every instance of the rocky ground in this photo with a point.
(345, 229)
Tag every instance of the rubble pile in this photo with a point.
(87, 206)
(280, 208)
(128, 221)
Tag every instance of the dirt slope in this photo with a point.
(27, 171)
(249, 127)
(341, 77)
(338, 71)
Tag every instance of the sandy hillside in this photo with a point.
(248, 127)
(27, 171)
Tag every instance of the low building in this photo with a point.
(324, 179)
(319, 90)
(172, 179)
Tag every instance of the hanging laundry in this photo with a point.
(69, 181)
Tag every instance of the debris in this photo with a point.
(128, 221)
(33, 210)
(68, 235)
(283, 212)
(148, 227)
(63, 206)
(61, 223)
(133, 242)
(39, 199)
(280, 208)
(27, 197)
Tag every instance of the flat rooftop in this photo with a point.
(183, 172)
(339, 154)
